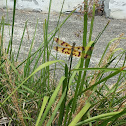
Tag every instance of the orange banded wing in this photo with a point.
(67, 51)
(65, 44)
(81, 48)
(62, 43)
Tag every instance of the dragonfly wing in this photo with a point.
(76, 53)
(67, 51)
(81, 48)
(63, 50)
(79, 54)
(62, 43)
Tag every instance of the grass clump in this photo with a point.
(30, 95)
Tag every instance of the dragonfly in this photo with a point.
(70, 50)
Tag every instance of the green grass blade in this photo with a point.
(27, 66)
(74, 73)
(56, 109)
(51, 101)
(104, 79)
(108, 47)
(80, 114)
(45, 100)
(39, 68)
(88, 60)
(64, 89)
(92, 23)
(12, 32)
(1, 38)
(102, 69)
(85, 23)
(93, 119)
(5, 24)
(53, 34)
(84, 34)
(21, 40)
(60, 25)
(113, 118)
(100, 33)
(18, 75)
(67, 112)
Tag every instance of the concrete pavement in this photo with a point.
(69, 32)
